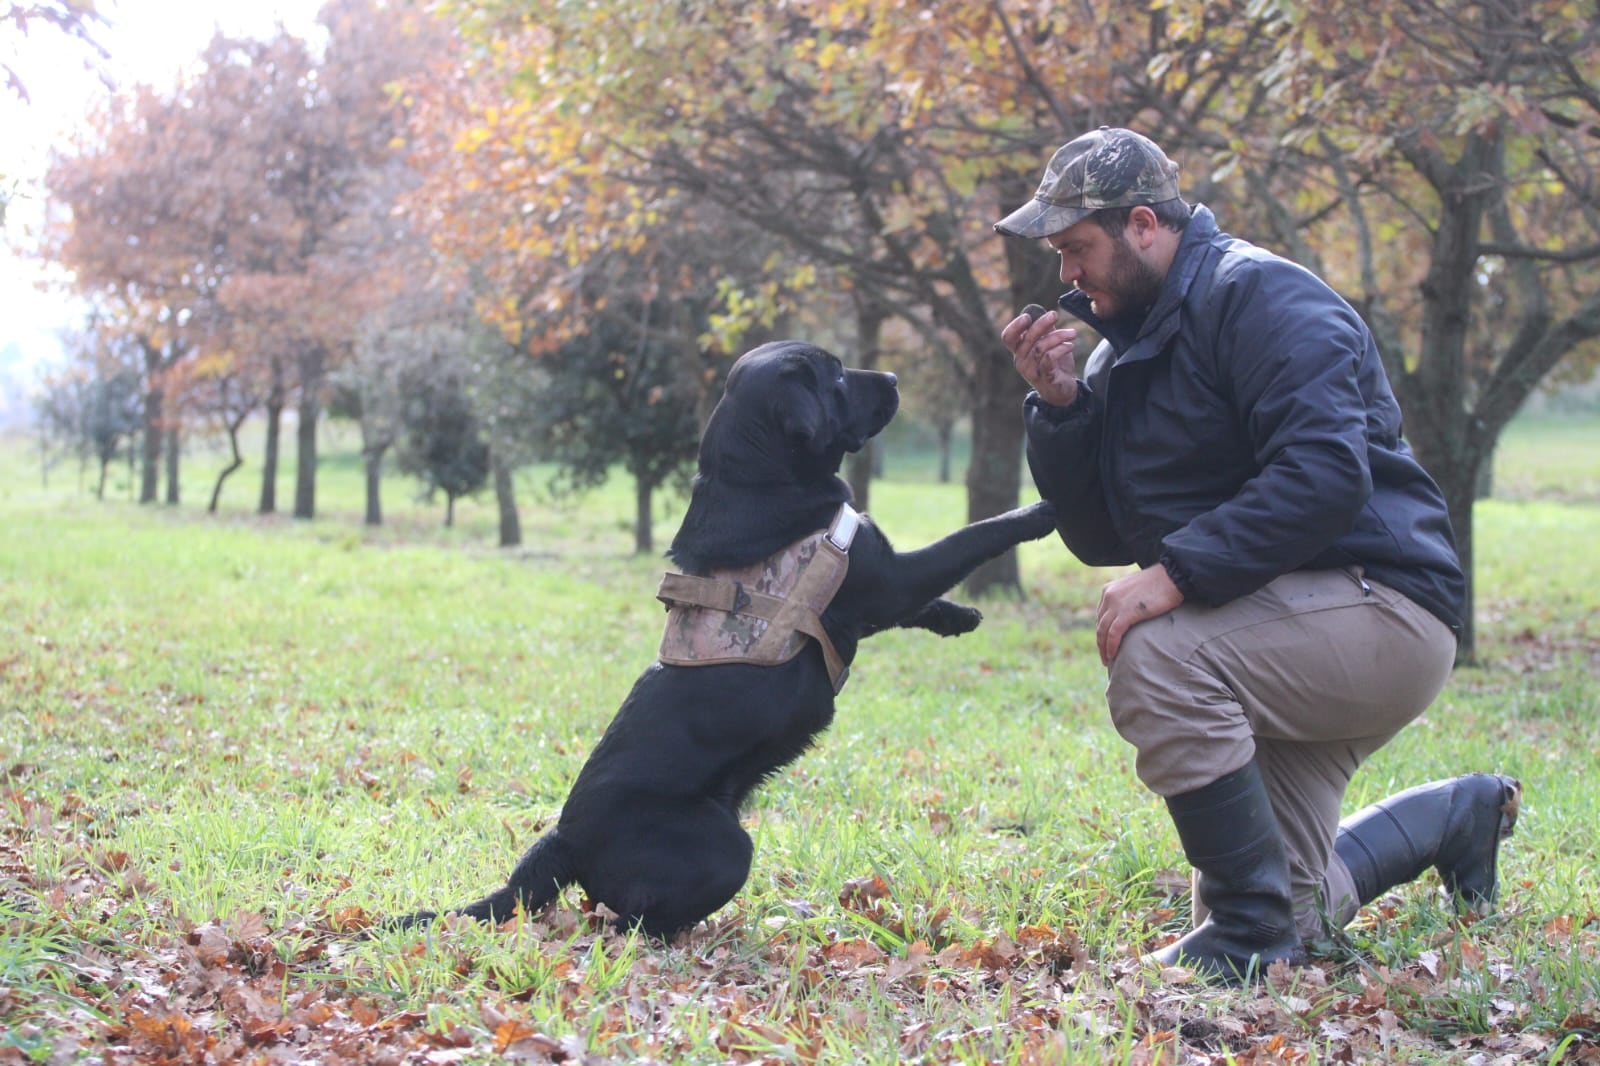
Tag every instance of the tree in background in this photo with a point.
(366, 388)
(223, 392)
(1439, 166)
(309, 155)
(246, 211)
(95, 407)
(591, 335)
(508, 389)
(441, 439)
(816, 162)
(872, 147)
(400, 350)
(90, 417)
(623, 393)
(115, 222)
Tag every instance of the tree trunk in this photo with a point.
(994, 476)
(269, 461)
(505, 498)
(449, 510)
(312, 370)
(171, 437)
(643, 529)
(149, 472)
(858, 472)
(1435, 396)
(149, 476)
(1460, 490)
(236, 463)
(1457, 474)
(1484, 488)
(373, 466)
(869, 333)
(100, 487)
(947, 432)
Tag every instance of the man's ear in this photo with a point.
(1143, 225)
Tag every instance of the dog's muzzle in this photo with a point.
(762, 613)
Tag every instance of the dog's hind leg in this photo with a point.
(676, 874)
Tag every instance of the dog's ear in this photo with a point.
(804, 425)
(801, 416)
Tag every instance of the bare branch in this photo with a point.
(1525, 252)
(1515, 378)
(1030, 73)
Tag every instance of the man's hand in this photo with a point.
(1043, 355)
(1129, 600)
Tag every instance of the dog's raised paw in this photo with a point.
(1040, 519)
(953, 619)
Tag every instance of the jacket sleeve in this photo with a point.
(1288, 352)
(1064, 458)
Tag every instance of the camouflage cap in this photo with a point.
(1108, 167)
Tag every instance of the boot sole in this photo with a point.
(1512, 806)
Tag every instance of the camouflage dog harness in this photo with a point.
(764, 612)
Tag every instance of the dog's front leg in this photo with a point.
(912, 581)
(942, 616)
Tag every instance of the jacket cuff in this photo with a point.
(1180, 577)
(1056, 415)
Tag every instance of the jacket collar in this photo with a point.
(1162, 319)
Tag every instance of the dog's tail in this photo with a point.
(540, 875)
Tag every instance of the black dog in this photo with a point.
(651, 826)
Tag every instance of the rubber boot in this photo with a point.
(1231, 838)
(1454, 826)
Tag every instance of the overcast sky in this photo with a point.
(149, 41)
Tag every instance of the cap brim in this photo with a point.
(1036, 219)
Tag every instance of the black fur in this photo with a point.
(651, 825)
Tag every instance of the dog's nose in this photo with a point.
(892, 379)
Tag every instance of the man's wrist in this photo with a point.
(1176, 574)
(1057, 412)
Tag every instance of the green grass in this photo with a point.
(226, 741)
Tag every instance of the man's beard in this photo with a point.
(1133, 283)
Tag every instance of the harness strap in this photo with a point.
(716, 594)
(801, 611)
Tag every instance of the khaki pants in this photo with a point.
(1309, 676)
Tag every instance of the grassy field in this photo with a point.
(227, 743)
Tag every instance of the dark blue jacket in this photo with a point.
(1243, 429)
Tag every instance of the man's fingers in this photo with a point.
(1113, 644)
(1108, 638)
(1024, 330)
(1041, 326)
(1013, 331)
(1104, 616)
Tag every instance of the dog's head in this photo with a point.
(790, 412)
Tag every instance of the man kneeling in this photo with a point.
(1235, 436)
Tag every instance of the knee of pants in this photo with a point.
(1146, 671)
(1186, 724)
(1157, 676)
